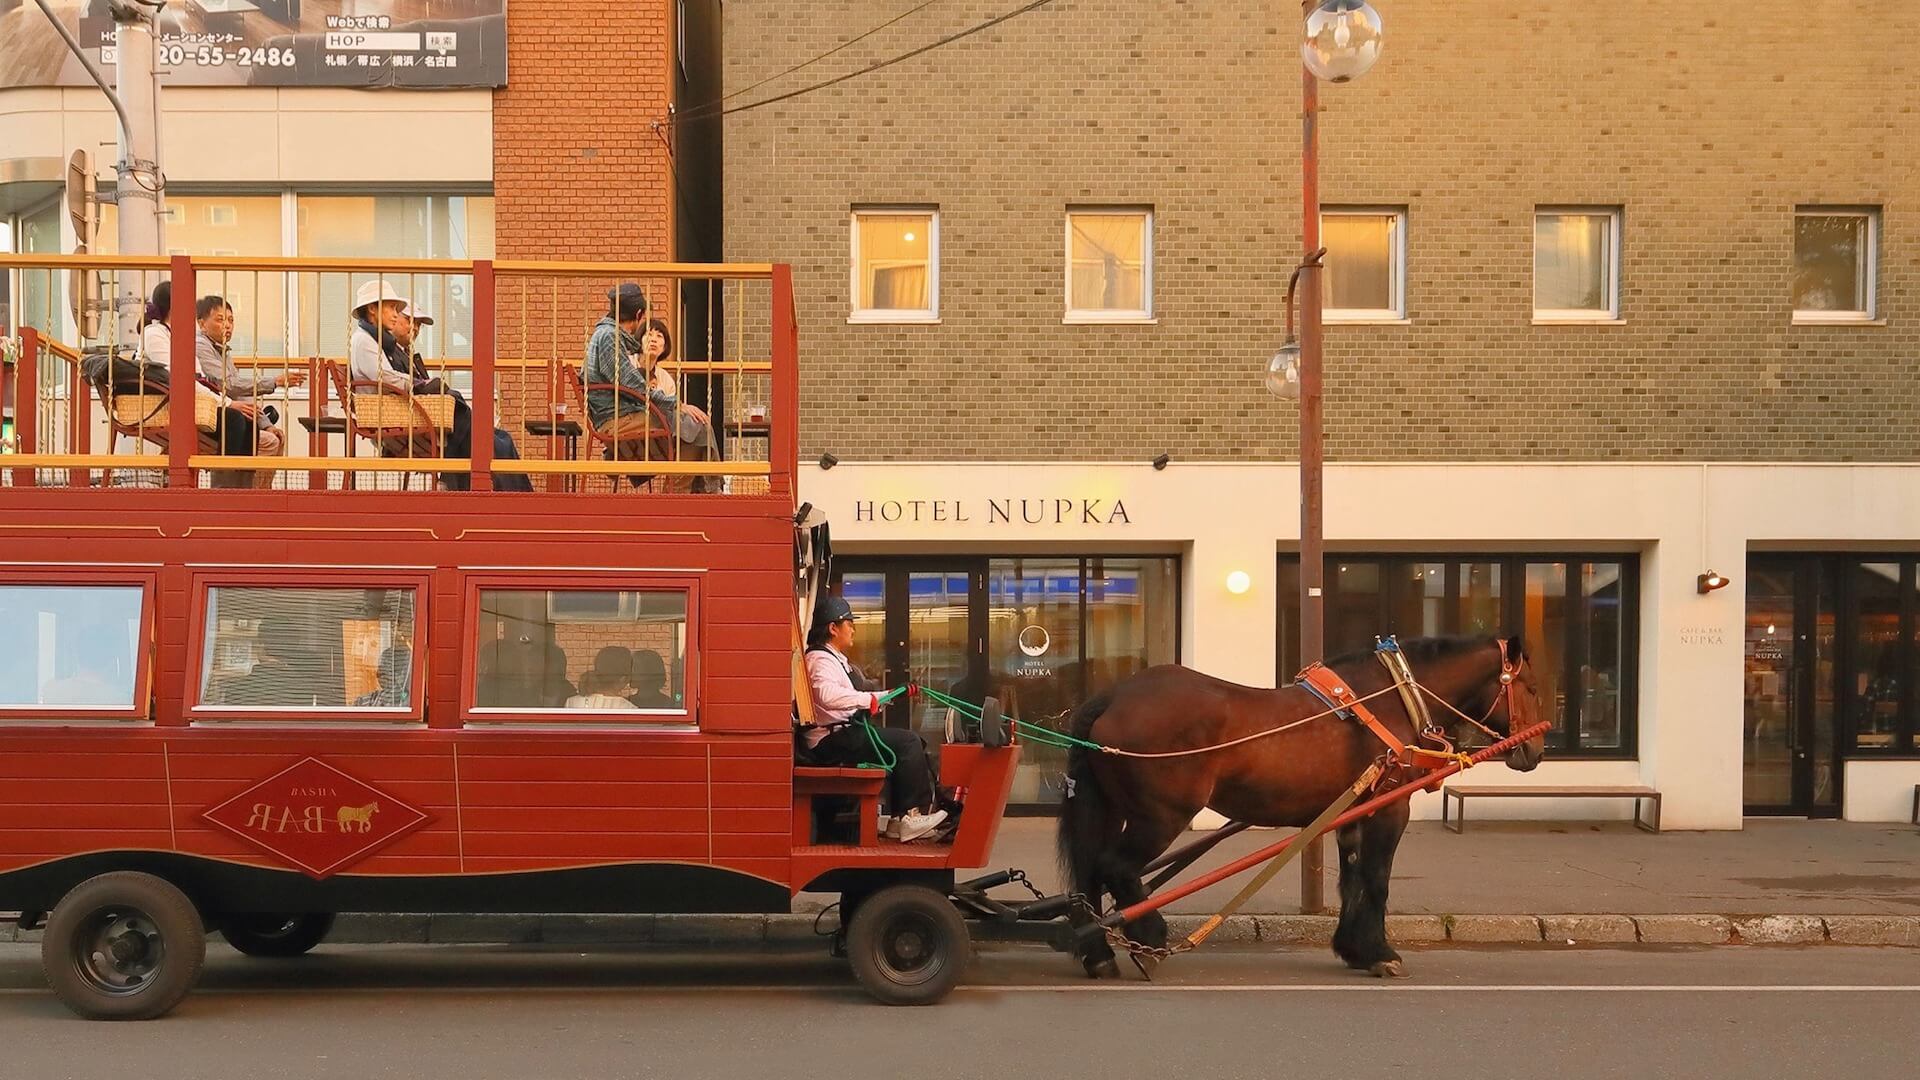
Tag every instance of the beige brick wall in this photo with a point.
(1706, 124)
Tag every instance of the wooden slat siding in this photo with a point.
(547, 800)
(515, 794)
(94, 816)
(568, 819)
(583, 770)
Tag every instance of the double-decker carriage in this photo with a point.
(245, 688)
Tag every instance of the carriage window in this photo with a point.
(272, 648)
(69, 646)
(570, 651)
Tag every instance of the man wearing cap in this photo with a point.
(614, 351)
(385, 325)
(835, 735)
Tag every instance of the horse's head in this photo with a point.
(1509, 703)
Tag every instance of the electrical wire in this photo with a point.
(917, 8)
(717, 109)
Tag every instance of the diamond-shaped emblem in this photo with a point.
(316, 817)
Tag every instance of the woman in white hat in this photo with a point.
(384, 326)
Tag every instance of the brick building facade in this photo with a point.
(1509, 451)
(1706, 138)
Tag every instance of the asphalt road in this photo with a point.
(481, 1012)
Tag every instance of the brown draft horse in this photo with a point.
(1120, 813)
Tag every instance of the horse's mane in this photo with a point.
(1419, 650)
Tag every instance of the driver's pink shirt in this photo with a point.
(835, 699)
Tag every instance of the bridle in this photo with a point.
(1509, 680)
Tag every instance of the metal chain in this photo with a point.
(1117, 939)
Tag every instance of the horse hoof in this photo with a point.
(1388, 969)
(1103, 969)
(1146, 964)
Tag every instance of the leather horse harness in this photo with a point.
(1431, 749)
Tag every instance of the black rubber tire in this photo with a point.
(908, 945)
(274, 935)
(142, 907)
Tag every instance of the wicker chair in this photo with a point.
(412, 426)
(657, 444)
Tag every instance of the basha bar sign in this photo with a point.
(1008, 511)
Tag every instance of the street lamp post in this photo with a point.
(1342, 40)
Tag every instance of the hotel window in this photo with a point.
(1366, 270)
(1109, 265)
(1836, 260)
(896, 265)
(1576, 618)
(1576, 264)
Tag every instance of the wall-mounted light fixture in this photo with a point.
(828, 461)
(1712, 580)
(1239, 582)
(1160, 462)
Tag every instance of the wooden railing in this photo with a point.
(523, 327)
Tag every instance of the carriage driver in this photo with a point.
(835, 735)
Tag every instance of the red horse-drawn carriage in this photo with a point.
(247, 708)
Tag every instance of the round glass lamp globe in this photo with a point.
(1343, 40)
(1283, 372)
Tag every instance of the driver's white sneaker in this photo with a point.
(913, 825)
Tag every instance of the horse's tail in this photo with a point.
(1086, 826)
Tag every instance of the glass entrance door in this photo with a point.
(1790, 762)
(918, 621)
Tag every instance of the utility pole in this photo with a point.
(1313, 861)
(136, 103)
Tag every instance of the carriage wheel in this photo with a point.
(123, 946)
(274, 935)
(908, 945)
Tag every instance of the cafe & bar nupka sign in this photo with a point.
(367, 44)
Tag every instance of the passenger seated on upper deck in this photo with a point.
(396, 680)
(381, 350)
(239, 429)
(835, 736)
(621, 352)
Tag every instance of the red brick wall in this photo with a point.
(578, 172)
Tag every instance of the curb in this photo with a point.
(1900, 931)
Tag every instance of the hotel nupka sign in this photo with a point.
(1009, 512)
(369, 44)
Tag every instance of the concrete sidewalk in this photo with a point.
(1770, 867)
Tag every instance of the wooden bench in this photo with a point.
(1639, 795)
(862, 784)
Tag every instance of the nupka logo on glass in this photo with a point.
(316, 817)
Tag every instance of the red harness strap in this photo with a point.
(1330, 688)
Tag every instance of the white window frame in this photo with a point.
(1870, 271)
(1105, 316)
(1396, 272)
(928, 314)
(1615, 226)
